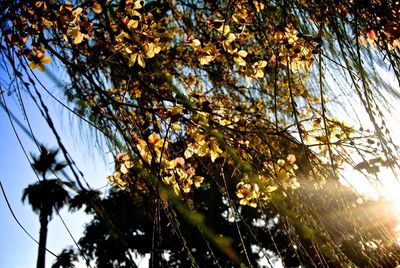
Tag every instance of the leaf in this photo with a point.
(180, 161)
(47, 23)
(270, 189)
(32, 65)
(138, 4)
(132, 59)
(205, 60)
(78, 39)
(140, 60)
(174, 110)
(149, 50)
(215, 151)
(77, 12)
(240, 61)
(198, 180)
(97, 8)
(133, 24)
(124, 169)
(155, 140)
(40, 67)
(195, 44)
(175, 126)
(46, 60)
(75, 32)
(144, 151)
(225, 29)
(259, 73)
(242, 53)
(203, 149)
(291, 158)
(189, 151)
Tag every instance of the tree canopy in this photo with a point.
(231, 123)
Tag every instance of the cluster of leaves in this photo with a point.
(221, 97)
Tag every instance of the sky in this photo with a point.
(16, 248)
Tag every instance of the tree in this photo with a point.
(240, 99)
(45, 196)
(263, 235)
(65, 259)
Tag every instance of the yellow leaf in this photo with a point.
(153, 139)
(175, 126)
(124, 169)
(281, 162)
(259, 6)
(78, 39)
(225, 29)
(261, 64)
(242, 53)
(259, 73)
(132, 59)
(199, 139)
(180, 161)
(198, 180)
(97, 8)
(138, 4)
(243, 202)
(231, 37)
(141, 60)
(77, 12)
(169, 179)
(174, 110)
(128, 50)
(172, 164)
(176, 189)
(135, 13)
(195, 44)
(189, 151)
(157, 49)
(121, 36)
(40, 67)
(149, 50)
(203, 150)
(291, 158)
(248, 80)
(215, 151)
(240, 61)
(73, 31)
(47, 23)
(252, 204)
(270, 189)
(205, 60)
(32, 65)
(144, 151)
(46, 60)
(133, 24)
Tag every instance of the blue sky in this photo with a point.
(16, 248)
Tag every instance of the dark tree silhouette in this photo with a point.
(65, 259)
(45, 196)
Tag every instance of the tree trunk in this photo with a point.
(42, 242)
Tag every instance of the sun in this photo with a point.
(384, 188)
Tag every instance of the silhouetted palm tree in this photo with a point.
(46, 195)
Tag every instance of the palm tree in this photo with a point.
(45, 195)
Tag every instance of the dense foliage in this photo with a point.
(228, 124)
